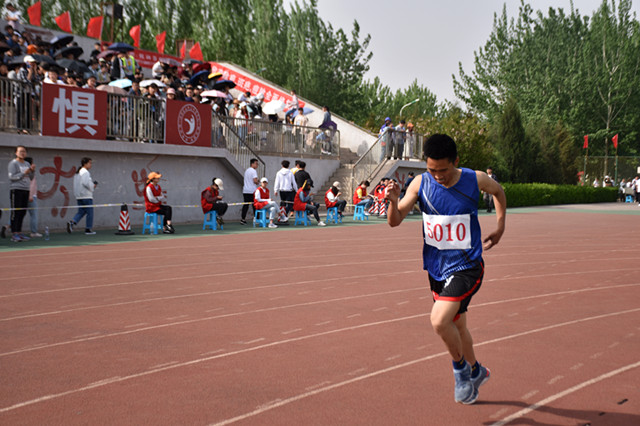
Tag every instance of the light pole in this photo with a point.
(410, 103)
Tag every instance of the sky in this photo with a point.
(426, 39)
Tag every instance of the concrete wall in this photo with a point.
(120, 168)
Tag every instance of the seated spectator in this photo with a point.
(332, 198)
(360, 197)
(261, 201)
(211, 200)
(303, 202)
(153, 199)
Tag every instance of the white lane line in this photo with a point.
(576, 367)
(384, 308)
(354, 316)
(310, 393)
(564, 393)
(596, 355)
(402, 303)
(499, 413)
(393, 358)
(140, 324)
(316, 386)
(295, 330)
(356, 372)
(83, 336)
(166, 364)
(181, 278)
(214, 310)
(251, 342)
(200, 294)
(613, 345)
(530, 394)
(407, 364)
(324, 323)
(555, 379)
(176, 317)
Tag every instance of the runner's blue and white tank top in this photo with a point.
(452, 236)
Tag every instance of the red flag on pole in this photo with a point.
(64, 21)
(195, 52)
(615, 141)
(183, 50)
(35, 12)
(586, 142)
(134, 32)
(160, 39)
(94, 27)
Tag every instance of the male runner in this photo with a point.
(452, 253)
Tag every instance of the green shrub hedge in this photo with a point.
(541, 194)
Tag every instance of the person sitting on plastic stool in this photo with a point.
(153, 199)
(211, 200)
(332, 198)
(303, 201)
(261, 201)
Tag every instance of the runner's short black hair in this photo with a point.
(440, 146)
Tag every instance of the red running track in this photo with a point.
(322, 326)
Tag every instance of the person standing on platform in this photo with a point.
(452, 250)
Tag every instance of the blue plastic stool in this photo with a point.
(333, 215)
(211, 220)
(152, 222)
(260, 218)
(301, 217)
(358, 214)
(629, 199)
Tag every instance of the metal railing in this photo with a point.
(19, 106)
(279, 139)
(135, 118)
(225, 135)
(402, 145)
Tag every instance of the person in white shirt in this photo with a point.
(285, 185)
(292, 106)
(83, 187)
(249, 188)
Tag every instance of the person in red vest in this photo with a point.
(331, 198)
(261, 200)
(360, 197)
(210, 199)
(303, 202)
(153, 199)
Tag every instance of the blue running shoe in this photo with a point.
(482, 377)
(465, 392)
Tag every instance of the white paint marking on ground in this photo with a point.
(356, 372)
(320, 390)
(140, 324)
(499, 413)
(391, 358)
(402, 303)
(212, 352)
(596, 355)
(214, 310)
(300, 293)
(576, 367)
(295, 330)
(354, 316)
(277, 298)
(247, 303)
(384, 308)
(324, 323)
(496, 321)
(613, 345)
(316, 386)
(530, 394)
(564, 393)
(163, 365)
(177, 317)
(82, 336)
(555, 379)
(410, 363)
(251, 342)
(514, 314)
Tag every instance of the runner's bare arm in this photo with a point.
(398, 210)
(490, 186)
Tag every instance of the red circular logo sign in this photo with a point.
(189, 124)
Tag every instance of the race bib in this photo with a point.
(447, 232)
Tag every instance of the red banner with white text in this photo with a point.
(73, 112)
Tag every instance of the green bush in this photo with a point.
(541, 194)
